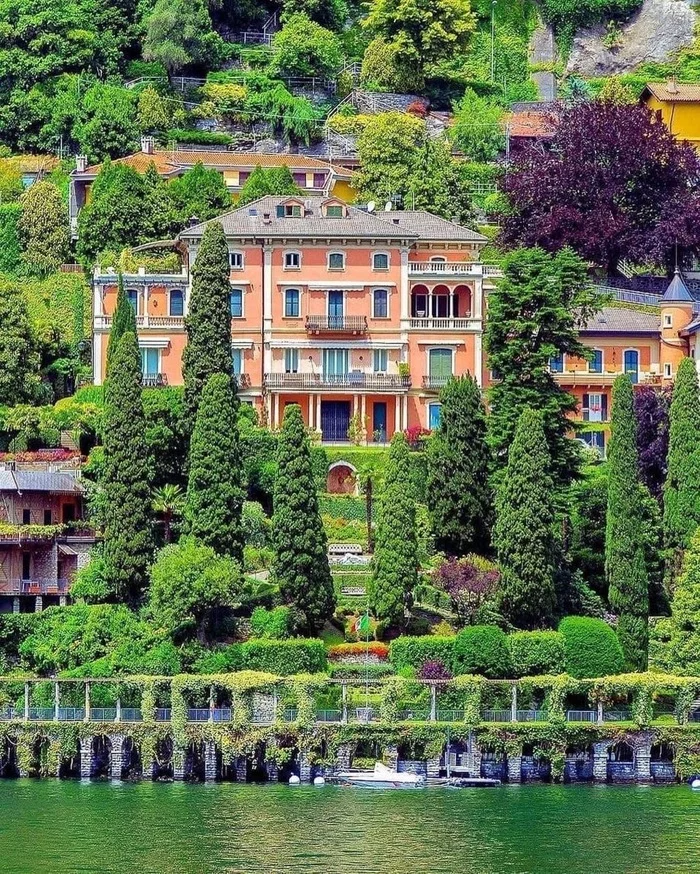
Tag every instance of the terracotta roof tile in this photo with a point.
(673, 92)
(168, 162)
(530, 124)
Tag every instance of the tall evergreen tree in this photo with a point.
(214, 493)
(300, 566)
(127, 499)
(395, 570)
(524, 530)
(123, 321)
(682, 488)
(625, 561)
(459, 495)
(208, 323)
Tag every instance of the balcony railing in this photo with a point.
(352, 381)
(336, 324)
(447, 324)
(435, 382)
(452, 268)
(33, 587)
(175, 322)
(243, 380)
(154, 380)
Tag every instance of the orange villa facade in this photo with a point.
(358, 317)
(361, 317)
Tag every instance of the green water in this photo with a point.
(148, 828)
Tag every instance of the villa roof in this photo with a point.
(531, 125)
(38, 481)
(170, 162)
(621, 320)
(673, 92)
(431, 227)
(677, 290)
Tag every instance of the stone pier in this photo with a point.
(600, 762)
(432, 767)
(241, 769)
(178, 764)
(209, 762)
(304, 768)
(642, 758)
(85, 757)
(514, 765)
(391, 756)
(116, 759)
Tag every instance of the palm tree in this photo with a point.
(168, 501)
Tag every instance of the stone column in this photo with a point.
(391, 755)
(61, 600)
(15, 605)
(116, 758)
(85, 757)
(642, 762)
(404, 410)
(433, 703)
(118, 714)
(178, 764)
(211, 704)
(209, 761)
(241, 769)
(514, 765)
(38, 604)
(304, 768)
(344, 717)
(474, 761)
(600, 762)
(26, 702)
(600, 713)
(432, 767)
(86, 717)
(514, 703)
(56, 701)
(318, 414)
(272, 771)
(342, 757)
(363, 414)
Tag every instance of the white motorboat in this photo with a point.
(381, 778)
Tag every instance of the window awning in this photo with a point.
(66, 550)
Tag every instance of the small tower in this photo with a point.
(676, 314)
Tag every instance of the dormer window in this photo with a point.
(336, 261)
(289, 210)
(334, 211)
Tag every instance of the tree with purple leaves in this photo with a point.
(651, 406)
(470, 582)
(615, 184)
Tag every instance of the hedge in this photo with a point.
(482, 649)
(414, 652)
(372, 671)
(10, 250)
(270, 624)
(283, 657)
(533, 653)
(591, 647)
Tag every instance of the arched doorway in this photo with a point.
(341, 479)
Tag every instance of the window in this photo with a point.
(236, 303)
(335, 211)
(440, 364)
(320, 181)
(26, 517)
(336, 308)
(292, 260)
(291, 303)
(380, 301)
(335, 362)
(177, 302)
(47, 517)
(290, 210)
(235, 260)
(667, 371)
(419, 305)
(631, 365)
(243, 177)
(336, 261)
(299, 179)
(668, 320)
(594, 440)
(26, 566)
(380, 261)
(133, 296)
(556, 364)
(434, 416)
(380, 360)
(595, 365)
(291, 360)
(150, 362)
(237, 361)
(594, 407)
(68, 513)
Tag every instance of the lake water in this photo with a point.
(64, 827)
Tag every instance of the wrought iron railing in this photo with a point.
(339, 324)
(356, 381)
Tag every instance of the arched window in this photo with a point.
(336, 260)
(177, 302)
(380, 261)
(380, 303)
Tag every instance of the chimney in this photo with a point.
(147, 145)
(672, 86)
(81, 163)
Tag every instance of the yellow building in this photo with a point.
(679, 104)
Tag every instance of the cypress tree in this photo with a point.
(682, 488)
(625, 562)
(459, 496)
(123, 320)
(524, 529)
(395, 568)
(208, 323)
(127, 529)
(214, 493)
(300, 566)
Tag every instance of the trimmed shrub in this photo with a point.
(283, 657)
(482, 649)
(414, 652)
(270, 624)
(533, 653)
(346, 671)
(591, 647)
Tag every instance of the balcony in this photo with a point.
(350, 381)
(435, 382)
(242, 381)
(33, 587)
(154, 380)
(448, 324)
(336, 324)
(159, 322)
(451, 268)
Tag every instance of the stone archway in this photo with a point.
(342, 479)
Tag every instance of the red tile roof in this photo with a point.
(532, 125)
(673, 92)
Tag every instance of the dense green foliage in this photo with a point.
(523, 535)
(591, 647)
(214, 499)
(304, 48)
(123, 321)
(300, 567)
(281, 657)
(681, 494)
(478, 129)
(534, 653)
(127, 519)
(43, 228)
(482, 649)
(534, 314)
(10, 249)
(271, 624)
(458, 466)
(208, 322)
(262, 181)
(414, 652)
(395, 562)
(625, 561)
(19, 359)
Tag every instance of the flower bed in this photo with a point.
(355, 652)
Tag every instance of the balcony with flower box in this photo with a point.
(336, 324)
